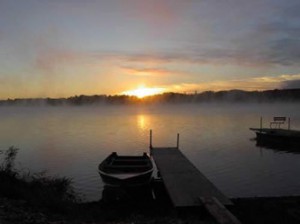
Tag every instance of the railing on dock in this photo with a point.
(277, 122)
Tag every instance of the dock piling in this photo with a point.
(260, 124)
(150, 146)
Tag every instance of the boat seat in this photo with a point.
(129, 163)
(127, 169)
(277, 121)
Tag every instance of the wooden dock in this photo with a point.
(184, 183)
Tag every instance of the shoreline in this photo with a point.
(248, 210)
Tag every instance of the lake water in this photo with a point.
(72, 141)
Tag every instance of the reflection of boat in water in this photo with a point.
(290, 147)
(128, 171)
(276, 137)
(133, 196)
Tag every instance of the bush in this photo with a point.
(55, 193)
(8, 162)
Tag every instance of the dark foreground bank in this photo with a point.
(250, 210)
(37, 198)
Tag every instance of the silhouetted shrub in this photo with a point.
(55, 193)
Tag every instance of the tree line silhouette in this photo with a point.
(231, 96)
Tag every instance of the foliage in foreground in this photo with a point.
(54, 193)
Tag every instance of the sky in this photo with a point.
(62, 48)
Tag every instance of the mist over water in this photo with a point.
(72, 141)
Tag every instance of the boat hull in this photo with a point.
(278, 139)
(278, 135)
(128, 171)
(138, 180)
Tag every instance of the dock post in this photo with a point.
(260, 124)
(289, 124)
(177, 145)
(150, 139)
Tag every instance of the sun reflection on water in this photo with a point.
(142, 121)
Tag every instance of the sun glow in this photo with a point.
(143, 92)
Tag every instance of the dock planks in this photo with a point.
(185, 184)
(218, 211)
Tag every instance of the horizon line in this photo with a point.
(154, 95)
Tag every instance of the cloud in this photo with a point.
(146, 71)
(250, 84)
(284, 51)
(278, 43)
(50, 59)
(291, 84)
(218, 37)
(267, 43)
(160, 16)
(273, 41)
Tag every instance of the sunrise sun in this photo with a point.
(143, 91)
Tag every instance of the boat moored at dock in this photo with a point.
(126, 171)
(277, 134)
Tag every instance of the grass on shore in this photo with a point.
(54, 193)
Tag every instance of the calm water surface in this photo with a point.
(71, 141)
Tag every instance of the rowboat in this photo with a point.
(126, 171)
